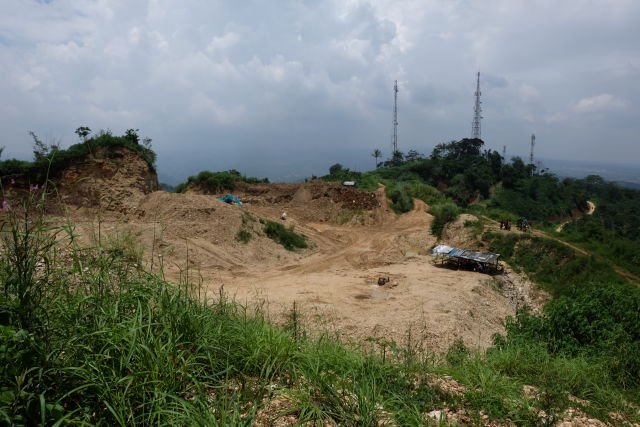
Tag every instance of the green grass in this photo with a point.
(550, 263)
(285, 236)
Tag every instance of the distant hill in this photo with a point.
(624, 174)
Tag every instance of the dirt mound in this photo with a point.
(313, 201)
(464, 232)
(190, 233)
(302, 193)
(114, 179)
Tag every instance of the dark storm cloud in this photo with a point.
(304, 84)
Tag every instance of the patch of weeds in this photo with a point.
(457, 353)
(124, 245)
(285, 236)
(495, 284)
(477, 227)
(248, 219)
(243, 235)
(348, 215)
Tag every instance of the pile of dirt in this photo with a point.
(195, 233)
(114, 179)
(303, 193)
(464, 233)
(313, 201)
(207, 230)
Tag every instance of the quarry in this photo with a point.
(353, 237)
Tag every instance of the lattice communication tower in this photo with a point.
(533, 144)
(477, 112)
(395, 117)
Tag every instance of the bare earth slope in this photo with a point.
(334, 282)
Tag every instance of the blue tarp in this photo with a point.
(231, 199)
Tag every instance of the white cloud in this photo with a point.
(354, 49)
(528, 92)
(211, 109)
(228, 40)
(599, 103)
(556, 118)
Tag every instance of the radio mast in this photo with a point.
(477, 112)
(533, 144)
(395, 118)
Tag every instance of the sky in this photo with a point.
(285, 89)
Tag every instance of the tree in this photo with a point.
(376, 155)
(42, 150)
(132, 135)
(336, 169)
(413, 155)
(83, 132)
(397, 158)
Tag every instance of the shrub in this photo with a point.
(218, 182)
(401, 200)
(285, 236)
(443, 213)
(243, 236)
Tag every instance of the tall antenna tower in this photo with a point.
(504, 152)
(533, 144)
(477, 112)
(395, 117)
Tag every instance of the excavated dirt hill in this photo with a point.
(354, 240)
(115, 179)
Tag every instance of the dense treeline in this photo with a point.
(463, 172)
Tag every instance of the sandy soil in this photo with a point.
(334, 283)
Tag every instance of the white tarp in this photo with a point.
(441, 250)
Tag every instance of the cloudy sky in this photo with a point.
(287, 88)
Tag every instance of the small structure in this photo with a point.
(230, 199)
(348, 183)
(485, 262)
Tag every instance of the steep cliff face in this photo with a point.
(115, 179)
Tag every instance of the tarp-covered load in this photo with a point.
(231, 199)
(467, 258)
